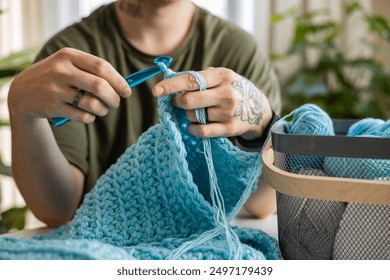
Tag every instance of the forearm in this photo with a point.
(262, 201)
(41, 172)
(51, 186)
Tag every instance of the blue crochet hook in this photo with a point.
(132, 80)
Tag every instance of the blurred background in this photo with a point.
(334, 53)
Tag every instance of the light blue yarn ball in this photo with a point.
(362, 168)
(364, 126)
(381, 129)
(309, 119)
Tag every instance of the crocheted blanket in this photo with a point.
(155, 203)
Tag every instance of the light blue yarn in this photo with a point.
(363, 126)
(370, 127)
(362, 168)
(304, 234)
(200, 112)
(157, 197)
(220, 218)
(308, 119)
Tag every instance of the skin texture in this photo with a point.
(50, 185)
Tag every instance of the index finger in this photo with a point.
(187, 82)
(101, 68)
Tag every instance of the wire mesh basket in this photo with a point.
(333, 194)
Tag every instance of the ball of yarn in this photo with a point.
(364, 126)
(382, 130)
(357, 168)
(309, 119)
(361, 168)
(307, 227)
(318, 225)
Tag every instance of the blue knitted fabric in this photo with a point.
(156, 198)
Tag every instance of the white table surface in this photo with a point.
(268, 225)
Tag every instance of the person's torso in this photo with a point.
(210, 42)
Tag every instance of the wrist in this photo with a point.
(259, 141)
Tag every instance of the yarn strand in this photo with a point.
(218, 206)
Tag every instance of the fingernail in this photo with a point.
(127, 92)
(158, 91)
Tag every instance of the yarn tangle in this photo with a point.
(169, 196)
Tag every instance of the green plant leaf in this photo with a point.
(309, 16)
(328, 77)
(277, 57)
(277, 18)
(5, 170)
(352, 7)
(4, 80)
(14, 218)
(18, 60)
(4, 123)
(366, 63)
(379, 25)
(9, 72)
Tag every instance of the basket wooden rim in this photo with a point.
(325, 188)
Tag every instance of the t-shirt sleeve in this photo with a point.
(72, 141)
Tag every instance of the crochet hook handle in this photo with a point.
(132, 80)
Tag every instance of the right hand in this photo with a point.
(47, 88)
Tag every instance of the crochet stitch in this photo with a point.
(156, 198)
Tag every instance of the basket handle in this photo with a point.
(326, 188)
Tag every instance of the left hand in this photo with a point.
(235, 106)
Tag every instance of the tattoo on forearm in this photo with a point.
(250, 108)
(130, 8)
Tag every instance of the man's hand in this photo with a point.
(234, 105)
(48, 88)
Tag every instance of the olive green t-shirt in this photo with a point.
(210, 42)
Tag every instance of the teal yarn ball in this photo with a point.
(361, 168)
(309, 119)
(364, 126)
